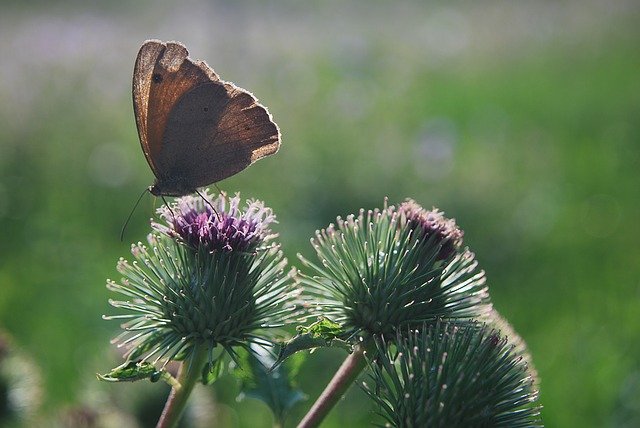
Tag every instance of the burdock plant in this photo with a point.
(383, 272)
(211, 279)
(395, 287)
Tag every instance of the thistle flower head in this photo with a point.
(217, 224)
(206, 278)
(386, 269)
(453, 375)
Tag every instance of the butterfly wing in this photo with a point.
(213, 132)
(162, 74)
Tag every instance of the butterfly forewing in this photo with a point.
(142, 76)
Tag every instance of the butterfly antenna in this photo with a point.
(124, 226)
(209, 203)
(166, 204)
(226, 197)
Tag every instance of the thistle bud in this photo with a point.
(450, 375)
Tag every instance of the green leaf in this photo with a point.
(132, 371)
(212, 370)
(275, 388)
(323, 333)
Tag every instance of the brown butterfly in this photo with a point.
(194, 128)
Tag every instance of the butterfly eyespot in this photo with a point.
(157, 78)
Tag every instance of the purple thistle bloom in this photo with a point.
(433, 225)
(227, 229)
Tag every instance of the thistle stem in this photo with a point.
(188, 374)
(344, 377)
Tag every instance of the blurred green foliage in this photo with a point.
(528, 134)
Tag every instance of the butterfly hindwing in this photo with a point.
(214, 132)
(249, 124)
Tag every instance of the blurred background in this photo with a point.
(520, 119)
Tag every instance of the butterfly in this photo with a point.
(195, 129)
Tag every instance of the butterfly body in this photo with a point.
(195, 129)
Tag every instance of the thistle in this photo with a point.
(452, 376)
(388, 269)
(382, 273)
(212, 278)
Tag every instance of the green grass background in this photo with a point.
(521, 120)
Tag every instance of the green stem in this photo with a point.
(342, 380)
(189, 373)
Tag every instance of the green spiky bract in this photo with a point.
(387, 269)
(181, 297)
(447, 375)
(500, 324)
